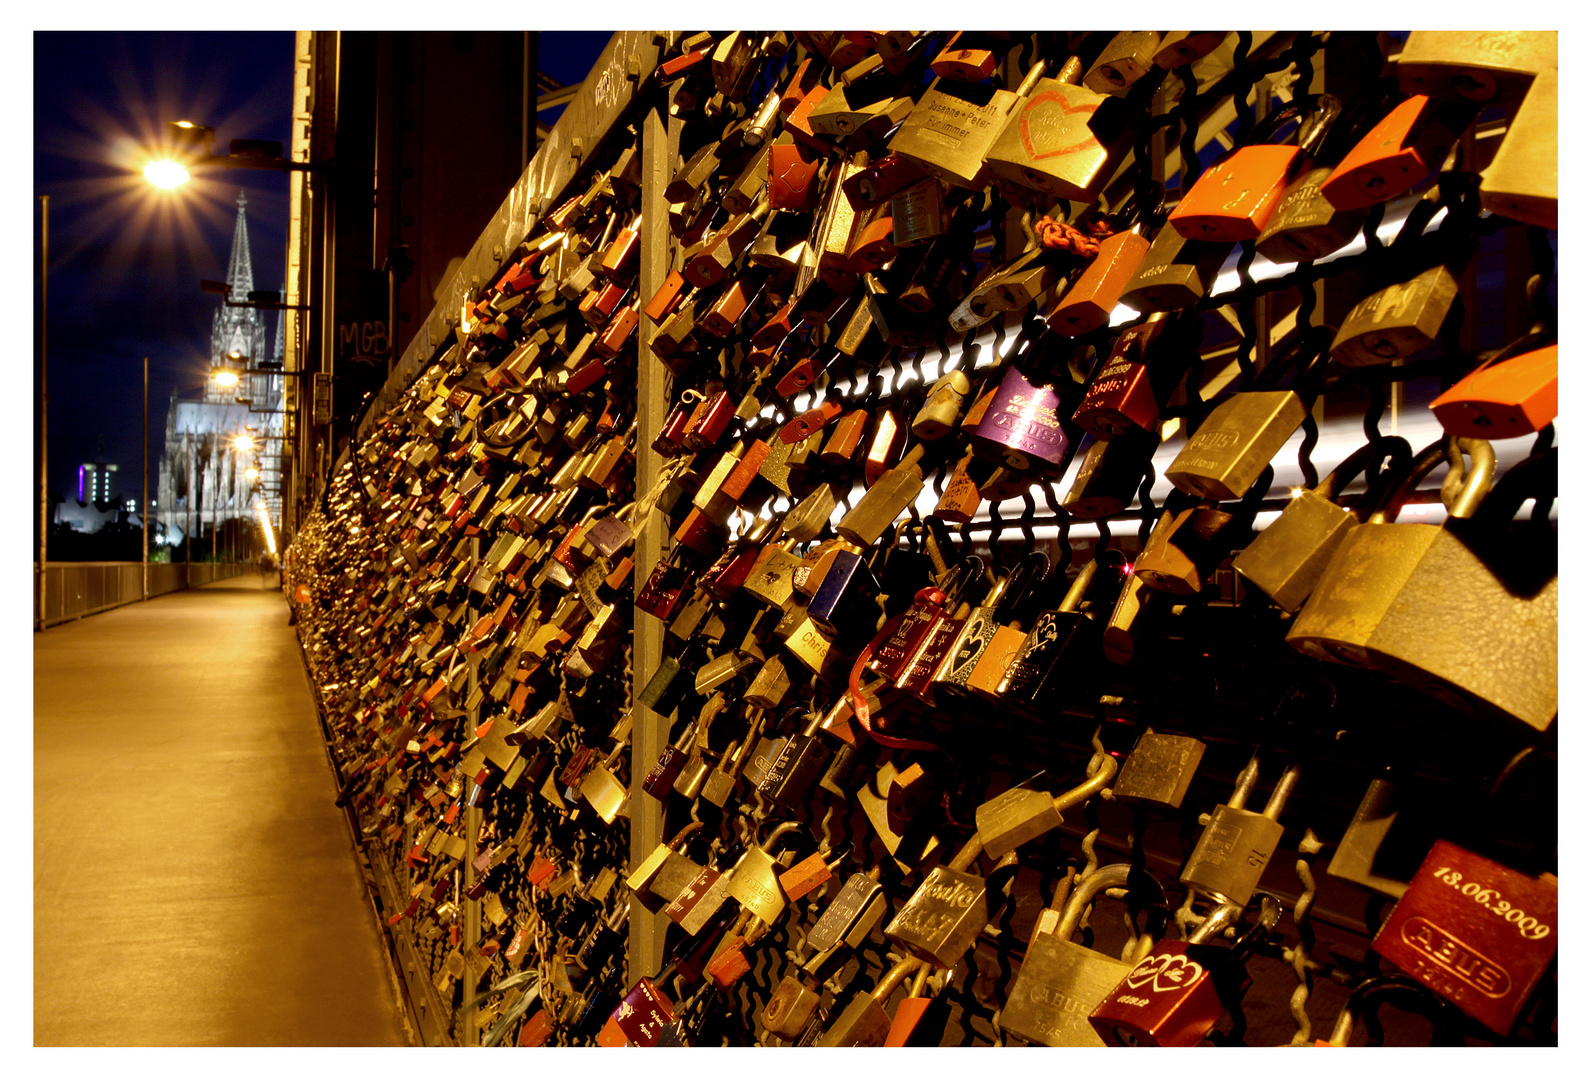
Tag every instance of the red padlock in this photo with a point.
(1233, 200)
(1401, 151)
(1503, 398)
(1477, 933)
(1123, 395)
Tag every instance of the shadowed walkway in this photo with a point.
(193, 882)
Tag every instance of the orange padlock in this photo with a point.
(1401, 150)
(1503, 398)
(1233, 200)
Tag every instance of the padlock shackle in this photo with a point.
(1106, 768)
(1281, 792)
(1113, 876)
(1077, 590)
(896, 975)
(1535, 477)
(1427, 459)
(1355, 463)
(1473, 483)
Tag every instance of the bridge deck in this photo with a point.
(193, 882)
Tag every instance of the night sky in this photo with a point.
(125, 257)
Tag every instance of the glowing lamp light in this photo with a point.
(244, 442)
(252, 474)
(225, 377)
(165, 174)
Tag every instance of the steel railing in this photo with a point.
(75, 589)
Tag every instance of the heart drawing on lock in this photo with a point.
(1063, 127)
(1166, 972)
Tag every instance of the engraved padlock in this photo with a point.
(1060, 983)
(1176, 995)
(1236, 844)
(1495, 580)
(1061, 139)
(1233, 200)
(1232, 447)
(1286, 559)
(1374, 560)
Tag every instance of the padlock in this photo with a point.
(754, 881)
(798, 765)
(1373, 562)
(1131, 385)
(1236, 844)
(1061, 139)
(1128, 56)
(1159, 770)
(954, 125)
(1416, 997)
(885, 500)
(952, 679)
(1110, 474)
(941, 920)
(1183, 558)
(1090, 300)
(920, 1017)
(1287, 558)
(1474, 931)
(863, 1021)
(1021, 814)
(792, 1005)
(1233, 200)
(850, 916)
(1393, 829)
(1399, 320)
(1060, 983)
(1490, 67)
(939, 415)
(1522, 181)
(659, 781)
(1021, 427)
(1175, 272)
(1055, 652)
(1476, 623)
(646, 876)
(1182, 47)
(1176, 995)
(969, 56)
(1232, 447)
(1504, 397)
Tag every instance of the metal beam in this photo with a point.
(557, 97)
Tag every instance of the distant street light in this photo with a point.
(244, 442)
(263, 299)
(224, 377)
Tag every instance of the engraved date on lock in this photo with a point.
(1490, 898)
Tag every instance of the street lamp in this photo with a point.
(192, 145)
(263, 299)
(244, 442)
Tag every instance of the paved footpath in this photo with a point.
(194, 883)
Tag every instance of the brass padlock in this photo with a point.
(952, 127)
(1522, 181)
(1476, 623)
(1241, 436)
(1061, 139)
(1159, 770)
(1491, 67)
(1374, 560)
(1236, 844)
(1175, 272)
(1399, 320)
(1060, 983)
(1124, 60)
(942, 918)
(1287, 558)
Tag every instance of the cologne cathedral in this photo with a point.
(203, 477)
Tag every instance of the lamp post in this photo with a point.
(143, 507)
(44, 405)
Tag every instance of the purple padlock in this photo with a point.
(1021, 427)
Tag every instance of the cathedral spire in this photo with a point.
(240, 273)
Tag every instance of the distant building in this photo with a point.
(201, 475)
(96, 482)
